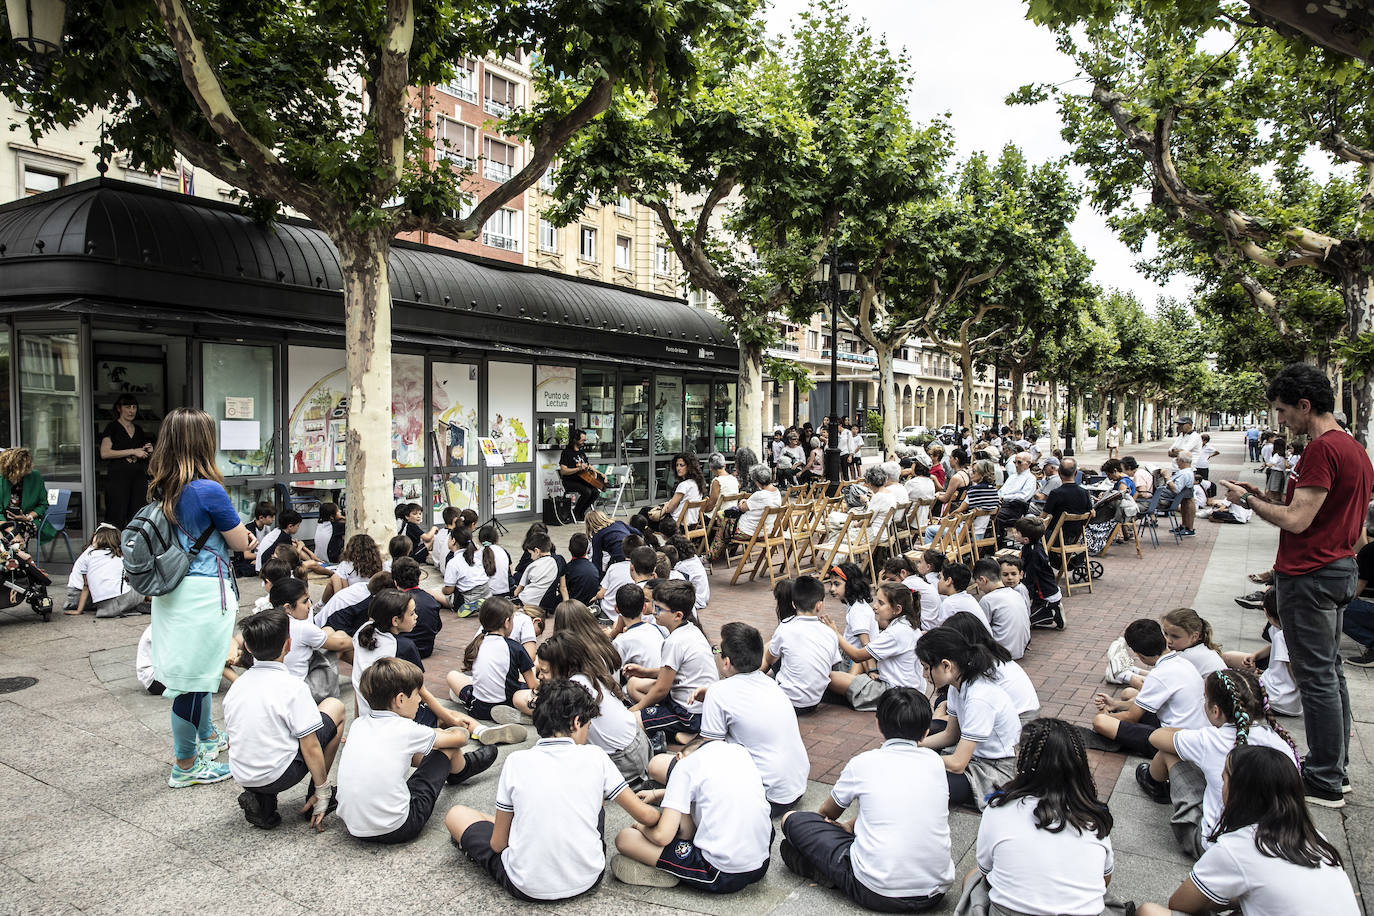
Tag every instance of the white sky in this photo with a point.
(967, 57)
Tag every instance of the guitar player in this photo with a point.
(572, 465)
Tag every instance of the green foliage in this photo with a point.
(786, 370)
(873, 423)
(1356, 354)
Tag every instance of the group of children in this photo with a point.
(612, 666)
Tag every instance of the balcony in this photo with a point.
(504, 242)
(860, 359)
(495, 108)
(458, 90)
(496, 171)
(466, 163)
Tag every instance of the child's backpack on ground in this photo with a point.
(154, 560)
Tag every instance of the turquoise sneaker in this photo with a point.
(212, 747)
(202, 772)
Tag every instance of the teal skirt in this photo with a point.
(192, 629)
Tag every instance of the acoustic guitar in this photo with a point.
(592, 477)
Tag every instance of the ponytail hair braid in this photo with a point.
(1239, 714)
(1273, 723)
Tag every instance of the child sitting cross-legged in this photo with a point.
(664, 696)
(277, 734)
(545, 840)
(955, 579)
(806, 648)
(894, 651)
(292, 596)
(1007, 673)
(713, 832)
(848, 583)
(377, 802)
(502, 683)
(895, 855)
(99, 572)
(1277, 675)
(1008, 616)
(1013, 572)
(640, 641)
(1189, 636)
(927, 593)
(1170, 694)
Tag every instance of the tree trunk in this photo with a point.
(1357, 289)
(1018, 388)
(749, 416)
(367, 336)
(887, 397)
(1102, 422)
(1054, 414)
(1080, 421)
(966, 395)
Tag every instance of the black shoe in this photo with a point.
(476, 762)
(1185, 532)
(1157, 792)
(260, 810)
(1346, 787)
(1326, 798)
(1363, 660)
(1058, 617)
(1254, 600)
(658, 743)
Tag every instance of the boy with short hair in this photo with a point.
(806, 648)
(747, 707)
(276, 732)
(377, 802)
(440, 547)
(640, 640)
(955, 579)
(1008, 616)
(580, 579)
(246, 562)
(399, 546)
(638, 567)
(405, 572)
(284, 535)
(895, 856)
(1170, 697)
(516, 846)
(1013, 570)
(927, 593)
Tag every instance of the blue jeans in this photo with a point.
(1310, 607)
(1358, 622)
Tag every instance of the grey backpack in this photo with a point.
(154, 560)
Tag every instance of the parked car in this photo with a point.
(910, 431)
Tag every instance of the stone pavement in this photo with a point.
(87, 823)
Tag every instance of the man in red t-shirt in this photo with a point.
(1320, 520)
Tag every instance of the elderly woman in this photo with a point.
(979, 494)
(745, 459)
(764, 496)
(23, 494)
(872, 493)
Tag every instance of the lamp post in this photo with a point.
(834, 278)
(37, 25)
(958, 379)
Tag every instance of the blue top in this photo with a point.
(203, 503)
(1130, 485)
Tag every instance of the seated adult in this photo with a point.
(1180, 484)
(745, 459)
(893, 470)
(572, 465)
(23, 494)
(723, 483)
(1358, 620)
(980, 494)
(1017, 490)
(1124, 506)
(919, 485)
(1068, 498)
(957, 481)
(1143, 479)
(765, 495)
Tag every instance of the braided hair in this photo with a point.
(1229, 692)
(1052, 768)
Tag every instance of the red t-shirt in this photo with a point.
(1334, 462)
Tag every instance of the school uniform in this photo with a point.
(753, 711)
(1172, 695)
(1009, 620)
(346, 610)
(268, 544)
(1041, 872)
(1277, 679)
(267, 712)
(719, 786)
(143, 664)
(961, 601)
(418, 551)
(469, 582)
(305, 639)
(898, 857)
(499, 581)
(859, 620)
(986, 716)
(582, 579)
(388, 645)
(537, 579)
(1205, 660)
(379, 799)
(1234, 871)
(1012, 678)
(895, 653)
(1020, 589)
(809, 651)
(329, 541)
(349, 573)
(927, 595)
(641, 643)
(540, 863)
(688, 653)
(439, 548)
(497, 673)
(428, 621)
(617, 732)
(694, 572)
(522, 628)
(103, 576)
(1208, 748)
(617, 574)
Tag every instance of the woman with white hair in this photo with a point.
(765, 495)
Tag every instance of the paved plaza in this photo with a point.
(87, 823)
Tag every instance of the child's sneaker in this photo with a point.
(1120, 663)
(629, 871)
(202, 772)
(213, 747)
(511, 733)
(509, 715)
(259, 810)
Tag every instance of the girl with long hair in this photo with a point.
(193, 625)
(100, 569)
(502, 684)
(359, 562)
(893, 649)
(1186, 633)
(690, 487)
(1007, 673)
(465, 577)
(850, 585)
(576, 618)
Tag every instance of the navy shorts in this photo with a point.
(481, 709)
(476, 844)
(683, 859)
(1134, 737)
(424, 785)
(822, 855)
(298, 769)
(667, 716)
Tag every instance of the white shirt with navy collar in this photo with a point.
(267, 712)
(373, 768)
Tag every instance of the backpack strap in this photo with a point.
(200, 541)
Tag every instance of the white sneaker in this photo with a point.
(1120, 662)
(509, 715)
(629, 871)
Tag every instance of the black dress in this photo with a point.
(126, 487)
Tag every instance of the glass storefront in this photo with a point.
(237, 393)
(696, 422)
(50, 401)
(723, 418)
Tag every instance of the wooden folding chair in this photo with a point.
(887, 535)
(1120, 532)
(717, 518)
(851, 544)
(698, 532)
(767, 537)
(818, 488)
(948, 535)
(801, 522)
(798, 492)
(987, 544)
(1055, 543)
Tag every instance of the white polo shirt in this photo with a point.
(641, 643)
(720, 787)
(1234, 871)
(688, 653)
(927, 594)
(859, 619)
(373, 768)
(104, 574)
(1173, 691)
(901, 837)
(1038, 872)
(346, 571)
(808, 649)
(538, 578)
(1277, 679)
(753, 711)
(323, 532)
(694, 572)
(522, 628)
(363, 659)
(986, 715)
(499, 581)
(554, 864)
(1208, 747)
(267, 712)
(498, 669)
(617, 574)
(344, 597)
(143, 660)
(1012, 678)
(305, 639)
(465, 576)
(616, 727)
(1008, 619)
(264, 548)
(1205, 660)
(961, 601)
(895, 652)
(438, 548)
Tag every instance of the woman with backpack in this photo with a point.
(193, 623)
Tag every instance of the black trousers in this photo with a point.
(586, 494)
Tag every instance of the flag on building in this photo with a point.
(188, 179)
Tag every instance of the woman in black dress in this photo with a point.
(126, 448)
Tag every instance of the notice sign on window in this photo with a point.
(490, 453)
(238, 408)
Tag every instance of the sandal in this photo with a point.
(1263, 578)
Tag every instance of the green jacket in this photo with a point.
(33, 497)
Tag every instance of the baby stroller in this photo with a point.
(20, 577)
(1079, 565)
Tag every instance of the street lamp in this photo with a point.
(958, 379)
(836, 284)
(37, 25)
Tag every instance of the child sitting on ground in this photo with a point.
(848, 583)
(927, 594)
(405, 573)
(292, 597)
(517, 846)
(377, 802)
(1013, 571)
(440, 546)
(623, 572)
(245, 562)
(541, 586)
(713, 831)
(502, 683)
(689, 566)
(360, 562)
(895, 855)
(101, 568)
(1046, 601)
(1007, 674)
(581, 581)
(1189, 636)
(465, 579)
(284, 535)
(1007, 615)
(664, 696)
(929, 565)
(277, 734)
(640, 641)
(1276, 676)
(399, 546)
(329, 534)
(409, 517)
(955, 579)
(348, 609)
(894, 650)
(1170, 694)
(806, 648)
(747, 707)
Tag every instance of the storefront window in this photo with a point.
(510, 421)
(510, 493)
(408, 411)
(453, 398)
(596, 401)
(4, 388)
(723, 423)
(237, 385)
(317, 394)
(457, 490)
(49, 404)
(697, 417)
(634, 417)
(667, 413)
